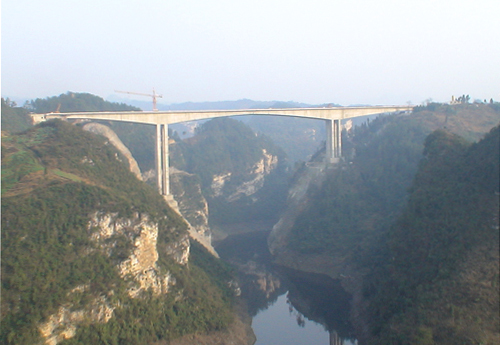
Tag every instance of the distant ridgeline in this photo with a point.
(91, 255)
(429, 257)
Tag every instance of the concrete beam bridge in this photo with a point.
(161, 119)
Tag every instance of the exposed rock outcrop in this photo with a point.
(142, 262)
(140, 268)
(218, 183)
(63, 324)
(258, 172)
(192, 205)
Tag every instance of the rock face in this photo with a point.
(260, 170)
(142, 262)
(62, 325)
(139, 268)
(218, 183)
(257, 172)
(192, 205)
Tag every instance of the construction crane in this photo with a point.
(154, 95)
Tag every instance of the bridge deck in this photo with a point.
(171, 117)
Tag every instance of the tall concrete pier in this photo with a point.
(162, 159)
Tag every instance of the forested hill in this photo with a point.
(438, 282)
(75, 102)
(223, 145)
(90, 254)
(417, 210)
(359, 201)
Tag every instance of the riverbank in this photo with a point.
(239, 332)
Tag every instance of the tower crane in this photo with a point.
(154, 96)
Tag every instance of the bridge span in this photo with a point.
(161, 119)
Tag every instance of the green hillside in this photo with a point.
(14, 119)
(417, 210)
(54, 177)
(439, 280)
(364, 196)
(74, 102)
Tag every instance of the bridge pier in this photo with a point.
(162, 161)
(333, 140)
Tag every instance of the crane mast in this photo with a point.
(154, 96)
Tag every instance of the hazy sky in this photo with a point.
(313, 51)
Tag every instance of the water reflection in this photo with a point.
(309, 296)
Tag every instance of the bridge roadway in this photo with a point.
(161, 119)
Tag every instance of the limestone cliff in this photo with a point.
(257, 174)
(139, 269)
(192, 205)
(141, 264)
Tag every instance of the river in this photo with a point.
(287, 306)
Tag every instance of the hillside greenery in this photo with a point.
(418, 209)
(361, 196)
(139, 138)
(75, 102)
(365, 194)
(53, 177)
(438, 281)
(14, 119)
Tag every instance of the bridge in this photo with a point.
(161, 119)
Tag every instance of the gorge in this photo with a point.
(341, 226)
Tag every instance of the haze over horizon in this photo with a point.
(344, 52)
